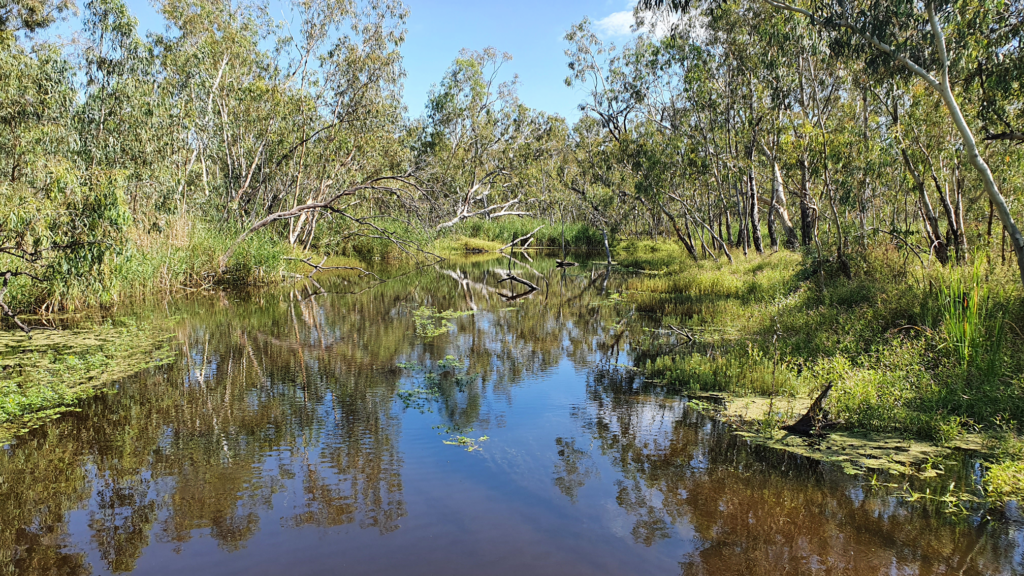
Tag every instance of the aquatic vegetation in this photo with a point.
(470, 444)
(450, 362)
(1005, 481)
(46, 376)
(431, 323)
(420, 399)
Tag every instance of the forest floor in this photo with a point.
(914, 353)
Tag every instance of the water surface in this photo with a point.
(311, 430)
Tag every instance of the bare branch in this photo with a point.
(522, 238)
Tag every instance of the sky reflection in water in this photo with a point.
(285, 439)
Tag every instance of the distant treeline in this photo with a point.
(209, 151)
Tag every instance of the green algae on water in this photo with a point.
(45, 376)
(854, 451)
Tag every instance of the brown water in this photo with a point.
(286, 439)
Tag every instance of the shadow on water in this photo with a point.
(286, 438)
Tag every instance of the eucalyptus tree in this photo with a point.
(939, 43)
(605, 141)
(123, 121)
(61, 219)
(32, 15)
(347, 61)
(282, 124)
(224, 90)
(476, 141)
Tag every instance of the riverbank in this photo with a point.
(47, 374)
(924, 354)
(914, 354)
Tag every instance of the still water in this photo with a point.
(320, 429)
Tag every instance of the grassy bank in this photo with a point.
(181, 257)
(48, 374)
(930, 353)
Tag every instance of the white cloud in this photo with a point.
(657, 24)
(615, 24)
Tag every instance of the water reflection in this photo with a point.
(753, 510)
(279, 437)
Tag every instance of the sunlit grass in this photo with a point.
(920, 352)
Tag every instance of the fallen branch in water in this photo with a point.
(6, 311)
(514, 297)
(684, 333)
(515, 278)
(521, 238)
(320, 267)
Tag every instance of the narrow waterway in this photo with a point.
(340, 427)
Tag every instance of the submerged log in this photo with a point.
(515, 278)
(513, 297)
(813, 422)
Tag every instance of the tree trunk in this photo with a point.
(773, 233)
(936, 242)
(806, 211)
(755, 215)
(971, 147)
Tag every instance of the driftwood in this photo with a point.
(813, 422)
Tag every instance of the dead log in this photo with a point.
(813, 422)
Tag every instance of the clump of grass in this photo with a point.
(973, 330)
(749, 372)
(456, 245)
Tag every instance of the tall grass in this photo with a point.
(921, 352)
(504, 230)
(184, 255)
(973, 330)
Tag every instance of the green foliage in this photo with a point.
(1005, 481)
(431, 323)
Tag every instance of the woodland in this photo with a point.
(840, 181)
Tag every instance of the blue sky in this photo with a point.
(530, 30)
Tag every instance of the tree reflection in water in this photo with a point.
(755, 510)
(281, 413)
